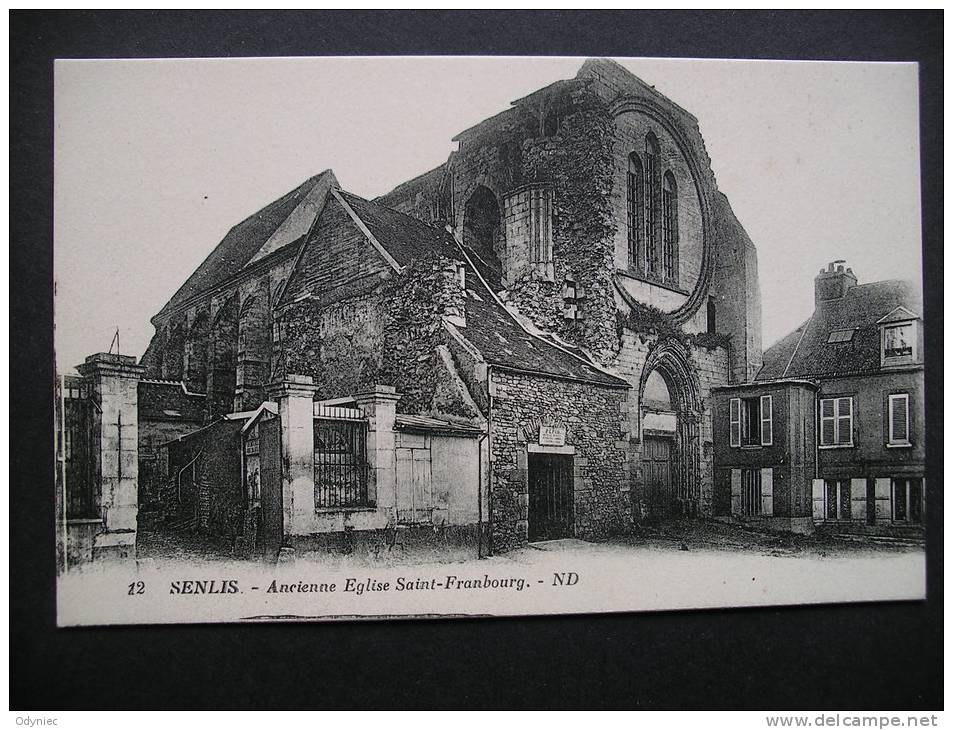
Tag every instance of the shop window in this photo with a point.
(837, 499)
(906, 497)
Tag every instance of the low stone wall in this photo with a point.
(413, 543)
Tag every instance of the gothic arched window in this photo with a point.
(669, 227)
(653, 219)
(636, 208)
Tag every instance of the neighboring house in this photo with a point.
(167, 410)
(570, 282)
(837, 411)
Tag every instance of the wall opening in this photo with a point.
(482, 231)
(551, 497)
(670, 443)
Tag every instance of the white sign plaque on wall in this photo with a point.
(552, 435)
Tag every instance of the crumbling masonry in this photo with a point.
(570, 281)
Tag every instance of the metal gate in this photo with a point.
(550, 497)
(660, 491)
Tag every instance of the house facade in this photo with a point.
(570, 283)
(840, 401)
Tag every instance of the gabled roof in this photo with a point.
(405, 237)
(900, 314)
(490, 328)
(280, 224)
(806, 352)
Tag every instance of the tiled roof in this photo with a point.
(243, 242)
(807, 353)
(168, 400)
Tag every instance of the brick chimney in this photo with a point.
(833, 282)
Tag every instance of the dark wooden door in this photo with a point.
(658, 474)
(550, 497)
(272, 511)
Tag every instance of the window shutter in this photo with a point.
(767, 421)
(858, 499)
(827, 422)
(899, 415)
(844, 420)
(734, 408)
(817, 497)
(736, 491)
(767, 491)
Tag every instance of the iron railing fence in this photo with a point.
(340, 463)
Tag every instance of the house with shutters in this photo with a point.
(830, 433)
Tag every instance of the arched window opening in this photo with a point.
(636, 208)
(653, 222)
(481, 227)
(669, 227)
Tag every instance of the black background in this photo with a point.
(875, 656)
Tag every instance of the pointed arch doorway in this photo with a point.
(669, 418)
(659, 426)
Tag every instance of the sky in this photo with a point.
(154, 160)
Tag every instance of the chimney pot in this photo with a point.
(833, 282)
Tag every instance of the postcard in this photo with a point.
(376, 338)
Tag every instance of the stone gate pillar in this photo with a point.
(380, 407)
(113, 382)
(295, 398)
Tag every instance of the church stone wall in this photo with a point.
(597, 429)
(392, 336)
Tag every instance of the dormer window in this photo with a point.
(898, 340)
(898, 343)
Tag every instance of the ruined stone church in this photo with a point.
(570, 282)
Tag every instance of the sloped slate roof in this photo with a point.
(405, 422)
(242, 243)
(168, 400)
(807, 348)
(405, 237)
(490, 328)
(503, 342)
